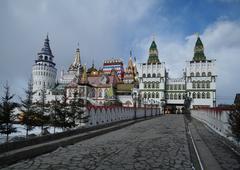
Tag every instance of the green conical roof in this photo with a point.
(153, 54)
(153, 45)
(199, 51)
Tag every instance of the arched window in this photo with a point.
(144, 75)
(149, 95)
(208, 95)
(100, 93)
(194, 84)
(203, 84)
(158, 75)
(145, 95)
(203, 74)
(157, 95)
(153, 95)
(209, 74)
(203, 95)
(198, 84)
(167, 96)
(175, 96)
(171, 96)
(149, 75)
(154, 75)
(46, 58)
(175, 87)
(153, 85)
(171, 87)
(145, 85)
(198, 74)
(208, 84)
(194, 95)
(179, 96)
(179, 87)
(157, 85)
(149, 85)
(192, 74)
(198, 95)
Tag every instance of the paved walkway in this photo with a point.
(158, 143)
(225, 157)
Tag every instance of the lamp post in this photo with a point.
(151, 108)
(134, 97)
(145, 111)
(163, 104)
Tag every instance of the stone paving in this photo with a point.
(159, 143)
(226, 158)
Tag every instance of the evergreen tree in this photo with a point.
(77, 111)
(42, 110)
(234, 122)
(55, 109)
(28, 116)
(62, 118)
(6, 113)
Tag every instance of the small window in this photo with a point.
(198, 74)
(194, 95)
(208, 84)
(144, 75)
(198, 95)
(203, 74)
(192, 74)
(175, 96)
(209, 74)
(149, 75)
(158, 75)
(154, 75)
(208, 95)
(157, 95)
(149, 95)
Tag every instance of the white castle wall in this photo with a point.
(104, 115)
(215, 118)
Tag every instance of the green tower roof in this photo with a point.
(153, 54)
(199, 51)
(153, 45)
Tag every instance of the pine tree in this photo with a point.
(76, 111)
(55, 109)
(234, 122)
(28, 115)
(42, 110)
(6, 113)
(62, 118)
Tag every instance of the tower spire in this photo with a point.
(199, 50)
(153, 54)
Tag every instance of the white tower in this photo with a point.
(43, 71)
(201, 79)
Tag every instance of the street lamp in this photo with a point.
(163, 104)
(145, 110)
(134, 97)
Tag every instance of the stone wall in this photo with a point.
(103, 115)
(215, 118)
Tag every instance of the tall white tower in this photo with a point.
(43, 71)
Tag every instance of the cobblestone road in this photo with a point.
(158, 143)
(226, 158)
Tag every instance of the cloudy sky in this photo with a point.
(110, 28)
